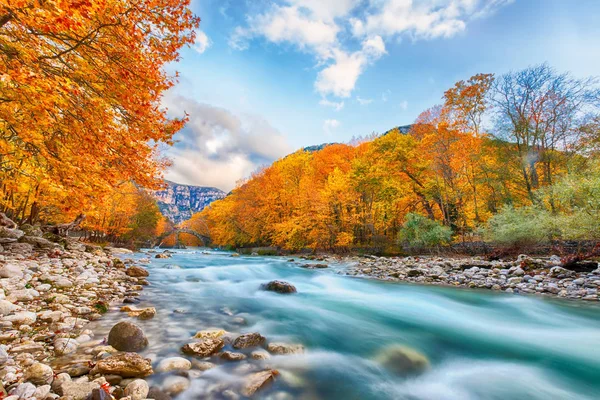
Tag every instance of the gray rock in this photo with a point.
(157, 394)
(126, 336)
(64, 346)
(8, 235)
(39, 242)
(78, 390)
(24, 390)
(137, 390)
(11, 270)
(174, 385)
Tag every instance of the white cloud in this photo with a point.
(337, 106)
(202, 42)
(363, 102)
(339, 78)
(289, 25)
(218, 147)
(331, 124)
(323, 28)
(403, 105)
(424, 19)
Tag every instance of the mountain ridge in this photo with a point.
(178, 202)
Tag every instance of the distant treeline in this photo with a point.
(532, 176)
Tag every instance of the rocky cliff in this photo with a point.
(178, 202)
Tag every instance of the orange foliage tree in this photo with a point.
(80, 90)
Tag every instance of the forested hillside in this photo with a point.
(532, 176)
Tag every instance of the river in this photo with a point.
(480, 344)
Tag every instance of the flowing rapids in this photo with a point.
(480, 344)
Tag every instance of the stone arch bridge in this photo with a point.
(178, 231)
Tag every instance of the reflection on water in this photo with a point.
(481, 345)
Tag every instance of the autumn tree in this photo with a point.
(80, 90)
(540, 111)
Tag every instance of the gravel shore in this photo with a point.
(524, 274)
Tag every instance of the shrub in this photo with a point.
(419, 232)
(520, 226)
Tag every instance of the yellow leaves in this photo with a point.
(81, 91)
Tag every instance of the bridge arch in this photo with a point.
(177, 231)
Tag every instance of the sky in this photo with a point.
(268, 77)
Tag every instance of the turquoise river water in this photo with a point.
(481, 345)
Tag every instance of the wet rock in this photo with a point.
(210, 334)
(137, 390)
(162, 255)
(137, 272)
(230, 395)
(204, 348)
(174, 385)
(257, 381)
(260, 355)
(141, 313)
(39, 374)
(126, 336)
(173, 364)
(248, 340)
(314, 266)
(403, 360)
(285, 348)
(157, 394)
(127, 365)
(202, 365)
(231, 356)
(279, 287)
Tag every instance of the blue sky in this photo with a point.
(267, 77)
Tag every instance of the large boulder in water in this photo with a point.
(285, 348)
(279, 287)
(204, 348)
(126, 336)
(248, 340)
(403, 360)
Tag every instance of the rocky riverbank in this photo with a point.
(51, 291)
(523, 275)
